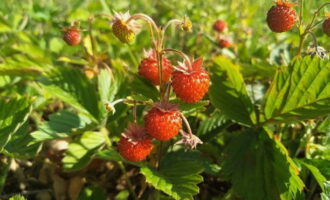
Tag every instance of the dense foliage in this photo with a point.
(71, 84)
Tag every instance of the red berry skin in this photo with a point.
(326, 27)
(191, 86)
(219, 26)
(72, 36)
(281, 17)
(149, 69)
(135, 152)
(163, 125)
(224, 43)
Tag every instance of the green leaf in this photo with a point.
(259, 168)
(19, 145)
(61, 125)
(92, 193)
(122, 195)
(212, 125)
(316, 173)
(190, 109)
(74, 88)
(76, 61)
(80, 151)
(324, 127)
(109, 154)
(322, 165)
(27, 71)
(145, 88)
(17, 197)
(228, 92)
(178, 175)
(13, 113)
(300, 91)
(108, 87)
(326, 194)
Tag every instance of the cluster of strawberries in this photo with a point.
(164, 120)
(190, 82)
(220, 26)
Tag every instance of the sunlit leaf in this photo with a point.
(228, 92)
(60, 125)
(81, 150)
(178, 175)
(300, 91)
(13, 113)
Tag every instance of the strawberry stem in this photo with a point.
(187, 124)
(184, 56)
(314, 40)
(147, 19)
(309, 27)
(90, 29)
(173, 21)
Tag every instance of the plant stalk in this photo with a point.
(129, 183)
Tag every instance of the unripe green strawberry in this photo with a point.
(191, 83)
(326, 25)
(281, 17)
(72, 36)
(123, 29)
(135, 145)
(149, 68)
(163, 121)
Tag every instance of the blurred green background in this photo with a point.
(34, 27)
(31, 34)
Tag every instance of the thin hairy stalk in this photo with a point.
(147, 19)
(187, 124)
(90, 29)
(167, 25)
(315, 15)
(309, 27)
(314, 40)
(184, 56)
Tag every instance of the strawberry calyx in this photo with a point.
(135, 133)
(196, 65)
(285, 3)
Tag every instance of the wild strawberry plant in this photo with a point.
(166, 124)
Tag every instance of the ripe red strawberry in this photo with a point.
(191, 83)
(123, 29)
(326, 25)
(219, 26)
(223, 43)
(163, 121)
(281, 17)
(149, 68)
(135, 145)
(72, 36)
